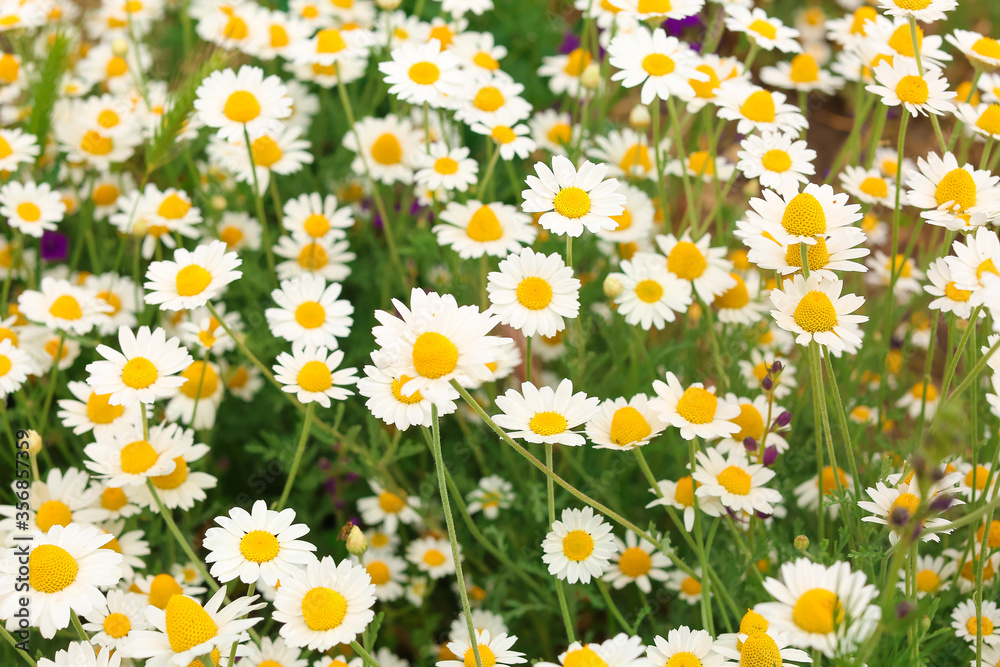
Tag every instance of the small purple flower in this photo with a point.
(54, 246)
(571, 42)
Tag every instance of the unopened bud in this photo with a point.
(767, 384)
(219, 202)
(784, 419)
(613, 287)
(941, 502)
(801, 542)
(904, 608)
(591, 76)
(899, 517)
(119, 47)
(34, 443)
(777, 367)
(919, 466)
(388, 5)
(357, 544)
(639, 118)
(770, 455)
(750, 444)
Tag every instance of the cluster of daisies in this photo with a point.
(202, 212)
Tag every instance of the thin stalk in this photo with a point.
(685, 179)
(51, 389)
(299, 450)
(78, 626)
(181, 540)
(259, 203)
(367, 657)
(612, 607)
(13, 644)
(550, 491)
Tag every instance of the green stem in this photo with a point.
(175, 531)
(299, 450)
(367, 657)
(613, 608)
(51, 389)
(13, 643)
(550, 491)
(259, 203)
(78, 626)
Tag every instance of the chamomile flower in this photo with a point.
(110, 623)
(687, 587)
(564, 70)
(259, 544)
(191, 279)
(635, 224)
(387, 402)
(981, 119)
(120, 293)
(753, 423)
(239, 231)
(802, 217)
(183, 487)
(15, 365)
(82, 654)
(651, 295)
(243, 101)
(624, 424)
(969, 625)
(90, 411)
(953, 196)
(311, 374)
(740, 304)
(423, 73)
(778, 160)
(16, 147)
(767, 33)
(493, 101)
(310, 312)
(732, 483)
(512, 139)
(902, 84)
(662, 65)
(627, 153)
(757, 109)
(896, 506)
(385, 148)
(60, 305)
(570, 199)
(491, 495)
(554, 130)
(473, 229)
(541, 415)
(304, 254)
(316, 216)
(636, 562)
(983, 52)
(533, 292)
(126, 458)
(706, 268)
(329, 47)
(934, 577)
(144, 370)
(387, 572)
(31, 208)
(923, 11)
(281, 151)
(679, 495)
(701, 165)
(684, 645)
(64, 498)
(696, 411)
(432, 555)
(869, 186)
(271, 653)
(803, 73)
(388, 509)
(809, 492)
(907, 275)
(443, 167)
(67, 565)
(656, 9)
(816, 310)
(579, 546)
(759, 648)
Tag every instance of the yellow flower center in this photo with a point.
(199, 374)
(989, 120)
(750, 421)
(29, 212)
(397, 392)
(901, 40)
(310, 315)
(486, 61)
(973, 630)
(829, 483)
(534, 293)
(51, 569)
(236, 28)
(547, 423)
(113, 498)
(315, 376)
(174, 479)
(10, 66)
(231, 235)
(683, 659)
(117, 625)
(986, 267)
(486, 656)
(988, 48)
(805, 69)
(777, 160)
(188, 624)
(484, 226)
(173, 207)
(759, 107)
(390, 502)
(572, 202)
(654, 6)
(928, 581)
(137, 457)
(139, 373)
(278, 35)
(386, 150)
(735, 480)
(759, 650)
(107, 118)
(434, 557)
(912, 89)
(649, 291)
(241, 107)
(705, 89)
(634, 562)
(628, 426)
(488, 98)
(815, 611)
(317, 225)
(763, 28)
(920, 390)
(192, 280)
(994, 540)
(116, 67)
(697, 405)
(560, 133)
(329, 40)
(577, 62)
(424, 73)
(162, 590)
(686, 261)
(379, 572)
(875, 186)
(691, 586)
(434, 356)
(804, 216)
(445, 166)
(443, 34)
(957, 186)
(266, 151)
(624, 220)
(817, 254)
(66, 307)
(503, 134)
(658, 64)
(980, 473)
(699, 162)
(752, 623)
(583, 657)
(112, 300)
(815, 312)
(323, 609)
(912, 5)
(259, 546)
(312, 257)
(95, 143)
(735, 297)
(105, 194)
(53, 513)
(684, 493)
(578, 545)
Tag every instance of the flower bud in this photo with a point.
(613, 287)
(357, 545)
(639, 118)
(904, 608)
(767, 384)
(899, 517)
(388, 5)
(750, 444)
(34, 443)
(776, 367)
(119, 47)
(770, 455)
(591, 76)
(219, 202)
(941, 502)
(784, 419)
(801, 543)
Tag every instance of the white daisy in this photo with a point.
(925, 11)
(192, 279)
(920, 94)
(968, 626)
(423, 73)
(388, 509)
(808, 493)
(662, 65)
(311, 374)
(433, 556)
(144, 370)
(271, 653)
(305, 254)
(31, 208)
(310, 312)
(815, 310)
(387, 402)
(953, 196)
(624, 424)
(651, 295)
(384, 147)
(542, 415)
(125, 458)
(766, 32)
(442, 167)
(111, 623)
(684, 645)
(533, 292)
(571, 200)
(316, 216)
(779, 160)
(492, 494)
(492, 649)
(60, 305)
(387, 572)
(733, 483)
(696, 411)
(757, 109)
(243, 101)
(579, 547)
(636, 562)
(679, 495)
(473, 229)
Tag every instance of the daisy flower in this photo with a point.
(808, 493)
(540, 415)
(64, 497)
(493, 101)
(570, 199)
(282, 151)
(554, 131)
(329, 47)
(473, 229)
(679, 495)
(238, 231)
(16, 147)
(740, 304)
(185, 629)
(901, 83)
(533, 292)
(423, 73)
(125, 458)
(759, 648)
(662, 65)
(802, 73)
(110, 623)
(869, 186)
(311, 374)
(121, 294)
(717, 70)
(757, 109)
(310, 312)
(767, 33)
(316, 216)
(183, 487)
(66, 567)
(91, 411)
(192, 279)
(651, 295)
(802, 217)
(482, 621)
(579, 547)
(243, 101)
(970, 626)
(974, 260)
(924, 11)
(696, 411)
(778, 160)
(60, 305)
(271, 653)
(144, 370)
(704, 267)
(753, 423)
(983, 119)
(815, 310)
(687, 587)
(492, 649)
(433, 556)
(492, 494)
(684, 645)
(31, 208)
(387, 572)
(627, 153)
(700, 165)
(260, 544)
(305, 254)
(983, 52)
(385, 148)
(895, 506)
(564, 70)
(908, 276)
(635, 224)
(443, 167)
(953, 196)
(655, 9)
(636, 562)
(934, 577)
(82, 654)
(388, 509)
(733, 483)
(387, 402)
(512, 139)
(624, 424)
(15, 367)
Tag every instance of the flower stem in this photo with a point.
(550, 491)
(259, 203)
(175, 531)
(613, 608)
(366, 656)
(13, 643)
(78, 626)
(51, 389)
(306, 423)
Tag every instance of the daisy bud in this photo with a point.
(613, 287)
(801, 543)
(941, 502)
(767, 384)
(357, 545)
(750, 444)
(783, 420)
(219, 202)
(591, 76)
(920, 466)
(639, 118)
(388, 5)
(770, 455)
(119, 47)
(899, 517)
(34, 443)
(938, 473)
(903, 609)
(776, 367)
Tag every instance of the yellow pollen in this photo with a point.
(805, 69)
(760, 650)
(658, 64)
(577, 62)
(29, 212)
(317, 225)
(379, 572)
(583, 657)
(443, 34)
(137, 457)
(486, 61)
(683, 659)
(705, 89)
(578, 545)
(752, 623)
(188, 624)
(637, 155)
(162, 589)
(387, 150)
(691, 586)
(53, 513)
(323, 609)
(759, 107)
(51, 569)
(116, 67)
(397, 392)
(697, 405)
(424, 73)
(534, 293)
(994, 541)
(628, 426)
(624, 220)
(973, 630)
(329, 40)
(117, 625)
(735, 297)
(777, 160)
(139, 373)
(489, 98)
(906, 501)
(804, 216)
(634, 562)
(259, 546)
(484, 226)
(572, 202)
(199, 373)
(96, 143)
(560, 133)
(503, 134)
(236, 28)
(918, 391)
(278, 35)
(310, 315)
(241, 107)
(912, 89)
(686, 261)
(231, 235)
(912, 5)
(192, 280)
(315, 376)
(988, 48)
(486, 656)
(10, 66)
(649, 291)
(861, 17)
(989, 120)
(434, 356)
(981, 474)
(875, 187)
(390, 502)
(735, 480)
(446, 166)
(815, 611)
(817, 254)
(928, 581)
(112, 300)
(547, 423)
(113, 499)
(66, 307)
(958, 187)
(815, 313)
(829, 484)
(901, 40)
(312, 257)
(434, 557)
(653, 6)
(699, 162)
(750, 421)
(986, 266)
(107, 118)
(266, 151)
